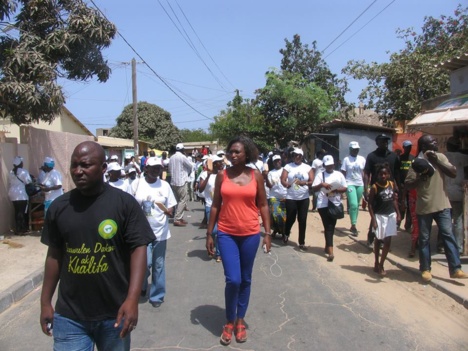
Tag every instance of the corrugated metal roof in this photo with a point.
(447, 117)
(455, 63)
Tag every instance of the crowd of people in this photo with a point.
(241, 191)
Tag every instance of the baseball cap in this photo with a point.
(17, 160)
(114, 157)
(216, 158)
(298, 151)
(49, 162)
(354, 145)
(154, 161)
(220, 153)
(131, 169)
(113, 166)
(421, 166)
(382, 136)
(328, 160)
(179, 146)
(276, 157)
(407, 143)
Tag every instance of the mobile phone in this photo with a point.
(49, 327)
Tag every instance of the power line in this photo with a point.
(151, 69)
(344, 30)
(360, 29)
(193, 29)
(188, 40)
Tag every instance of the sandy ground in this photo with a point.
(24, 254)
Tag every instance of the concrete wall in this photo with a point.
(459, 81)
(35, 145)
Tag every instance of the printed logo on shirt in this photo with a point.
(107, 229)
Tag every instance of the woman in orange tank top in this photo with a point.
(239, 195)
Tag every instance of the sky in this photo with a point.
(204, 50)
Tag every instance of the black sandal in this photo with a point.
(285, 239)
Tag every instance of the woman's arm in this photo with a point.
(284, 179)
(371, 209)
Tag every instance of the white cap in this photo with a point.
(205, 157)
(298, 151)
(220, 152)
(154, 161)
(113, 166)
(276, 157)
(48, 160)
(216, 158)
(270, 153)
(354, 145)
(114, 157)
(131, 169)
(128, 156)
(328, 160)
(179, 146)
(17, 160)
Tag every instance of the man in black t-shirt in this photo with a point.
(97, 237)
(379, 156)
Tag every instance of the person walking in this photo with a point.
(384, 212)
(277, 197)
(180, 168)
(296, 178)
(207, 186)
(317, 166)
(96, 237)
(238, 197)
(329, 184)
(353, 170)
(158, 201)
(379, 156)
(17, 180)
(427, 177)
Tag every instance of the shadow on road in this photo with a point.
(212, 318)
(201, 254)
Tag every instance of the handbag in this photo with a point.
(31, 188)
(334, 211)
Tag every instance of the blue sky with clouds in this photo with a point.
(206, 49)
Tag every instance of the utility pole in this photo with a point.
(135, 102)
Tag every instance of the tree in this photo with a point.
(47, 40)
(154, 125)
(292, 106)
(190, 135)
(308, 63)
(396, 89)
(242, 117)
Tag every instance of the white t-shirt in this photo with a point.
(17, 190)
(317, 165)
(203, 175)
(354, 166)
(159, 191)
(122, 184)
(336, 178)
(208, 193)
(51, 179)
(299, 172)
(277, 190)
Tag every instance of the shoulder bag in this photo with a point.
(334, 211)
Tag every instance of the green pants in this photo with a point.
(354, 193)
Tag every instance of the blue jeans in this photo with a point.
(444, 223)
(214, 233)
(71, 335)
(156, 256)
(238, 255)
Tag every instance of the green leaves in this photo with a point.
(50, 39)
(154, 125)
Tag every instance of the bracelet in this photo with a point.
(208, 234)
(267, 233)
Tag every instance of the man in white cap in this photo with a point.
(180, 168)
(51, 183)
(115, 178)
(17, 180)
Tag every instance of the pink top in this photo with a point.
(239, 212)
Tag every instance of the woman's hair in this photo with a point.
(251, 151)
(380, 166)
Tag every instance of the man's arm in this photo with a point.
(129, 309)
(441, 162)
(52, 267)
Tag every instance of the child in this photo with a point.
(383, 208)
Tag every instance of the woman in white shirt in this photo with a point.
(17, 179)
(330, 185)
(353, 170)
(296, 178)
(276, 197)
